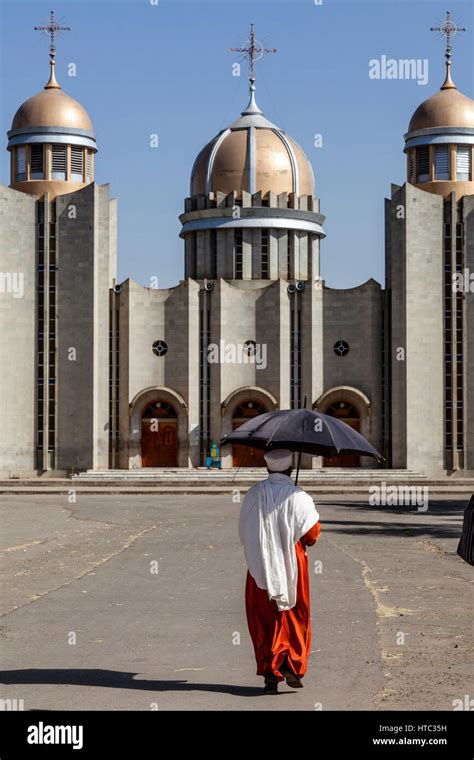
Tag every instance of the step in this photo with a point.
(189, 475)
(449, 492)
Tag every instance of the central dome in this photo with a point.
(252, 155)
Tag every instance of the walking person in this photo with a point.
(277, 521)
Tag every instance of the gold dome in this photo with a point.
(447, 108)
(252, 155)
(445, 119)
(58, 125)
(52, 108)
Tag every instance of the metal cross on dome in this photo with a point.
(51, 29)
(253, 50)
(448, 29)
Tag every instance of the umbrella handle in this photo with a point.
(299, 452)
(298, 468)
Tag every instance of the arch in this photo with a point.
(346, 393)
(237, 396)
(248, 409)
(343, 410)
(354, 407)
(233, 404)
(159, 410)
(243, 394)
(137, 407)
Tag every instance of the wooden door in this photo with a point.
(345, 460)
(246, 456)
(159, 443)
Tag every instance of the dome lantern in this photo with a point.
(51, 140)
(440, 140)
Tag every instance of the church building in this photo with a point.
(97, 374)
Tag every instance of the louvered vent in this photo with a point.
(58, 162)
(411, 168)
(423, 164)
(89, 165)
(463, 163)
(20, 163)
(37, 162)
(77, 163)
(441, 162)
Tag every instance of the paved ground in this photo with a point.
(169, 640)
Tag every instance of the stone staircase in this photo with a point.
(247, 474)
(180, 481)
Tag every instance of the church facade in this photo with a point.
(97, 374)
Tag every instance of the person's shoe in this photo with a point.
(271, 687)
(291, 678)
(271, 684)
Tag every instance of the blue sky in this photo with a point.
(144, 69)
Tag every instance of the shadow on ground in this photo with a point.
(114, 679)
(419, 525)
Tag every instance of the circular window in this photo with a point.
(250, 347)
(248, 409)
(158, 409)
(342, 409)
(341, 348)
(159, 347)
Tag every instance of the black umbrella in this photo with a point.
(304, 431)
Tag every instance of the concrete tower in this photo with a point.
(58, 234)
(252, 229)
(429, 243)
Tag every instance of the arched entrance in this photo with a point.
(350, 415)
(159, 435)
(246, 456)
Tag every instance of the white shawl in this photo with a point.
(274, 516)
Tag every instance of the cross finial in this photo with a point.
(253, 50)
(51, 29)
(448, 29)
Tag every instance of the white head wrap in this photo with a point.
(279, 460)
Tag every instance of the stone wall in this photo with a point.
(17, 333)
(86, 242)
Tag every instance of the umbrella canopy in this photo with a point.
(302, 430)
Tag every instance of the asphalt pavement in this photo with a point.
(137, 603)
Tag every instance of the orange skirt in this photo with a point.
(276, 635)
